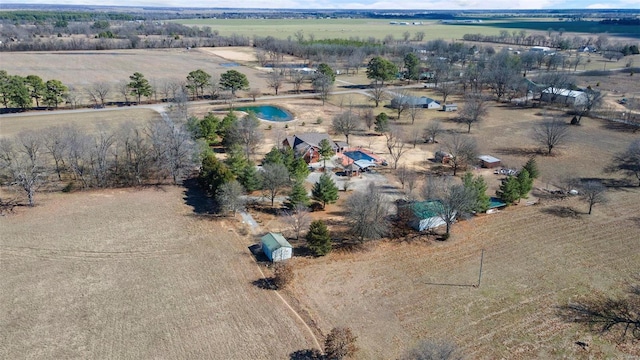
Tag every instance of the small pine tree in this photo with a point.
(297, 196)
(298, 169)
(326, 151)
(236, 160)
(382, 123)
(325, 190)
(479, 188)
(274, 156)
(318, 238)
(532, 168)
(250, 179)
(525, 183)
(509, 190)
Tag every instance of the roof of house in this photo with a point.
(274, 241)
(426, 209)
(563, 92)
(301, 142)
(363, 164)
(488, 158)
(414, 100)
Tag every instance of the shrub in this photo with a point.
(340, 343)
(319, 120)
(283, 275)
(68, 188)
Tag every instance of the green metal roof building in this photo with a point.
(276, 247)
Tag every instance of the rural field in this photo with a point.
(135, 274)
(149, 273)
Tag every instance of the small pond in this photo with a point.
(268, 112)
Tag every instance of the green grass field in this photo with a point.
(335, 28)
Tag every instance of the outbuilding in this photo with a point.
(488, 161)
(276, 247)
(450, 107)
(426, 215)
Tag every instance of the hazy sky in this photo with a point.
(365, 4)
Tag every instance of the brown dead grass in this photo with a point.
(104, 275)
(395, 294)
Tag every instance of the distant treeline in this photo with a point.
(52, 16)
(626, 21)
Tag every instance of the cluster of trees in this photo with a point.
(21, 92)
(44, 32)
(514, 188)
(125, 156)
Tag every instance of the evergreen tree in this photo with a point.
(318, 238)
(326, 151)
(509, 190)
(274, 156)
(478, 187)
(208, 127)
(234, 80)
(250, 179)
(298, 169)
(213, 173)
(54, 93)
(236, 160)
(139, 86)
(297, 196)
(382, 123)
(325, 190)
(525, 183)
(532, 168)
(326, 70)
(228, 123)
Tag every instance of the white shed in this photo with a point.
(276, 247)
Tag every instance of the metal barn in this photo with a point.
(276, 247)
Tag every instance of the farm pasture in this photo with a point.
(134, 274)
(394, 294)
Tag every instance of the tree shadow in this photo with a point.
(264, 284)
(306, 354)
(195, 197)
(519, 151)
(621, 127)
(617, 184)
(565, 212)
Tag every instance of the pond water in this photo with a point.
(268, 112)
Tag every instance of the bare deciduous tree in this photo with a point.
(298, 218)
(340, 343)
(229, 197)
(98, 92)
(377, 93)
(274, 80)
(396, 144)
(172, 148)
(431, 131)
(368, 118)
(593, 192)
(453, 198)
(345, 123)
(462, 150)
(474, 109)
(254, 93)
(551, 133)
(54, 141)
(21, 163)
(274, 178)
(367, 214)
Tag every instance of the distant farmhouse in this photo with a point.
(423, 102)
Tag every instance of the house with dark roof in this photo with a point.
(307, 145)
(414, 101)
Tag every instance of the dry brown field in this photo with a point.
(84, 120)
(134, 274)
(396, 293)
(131, 274)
